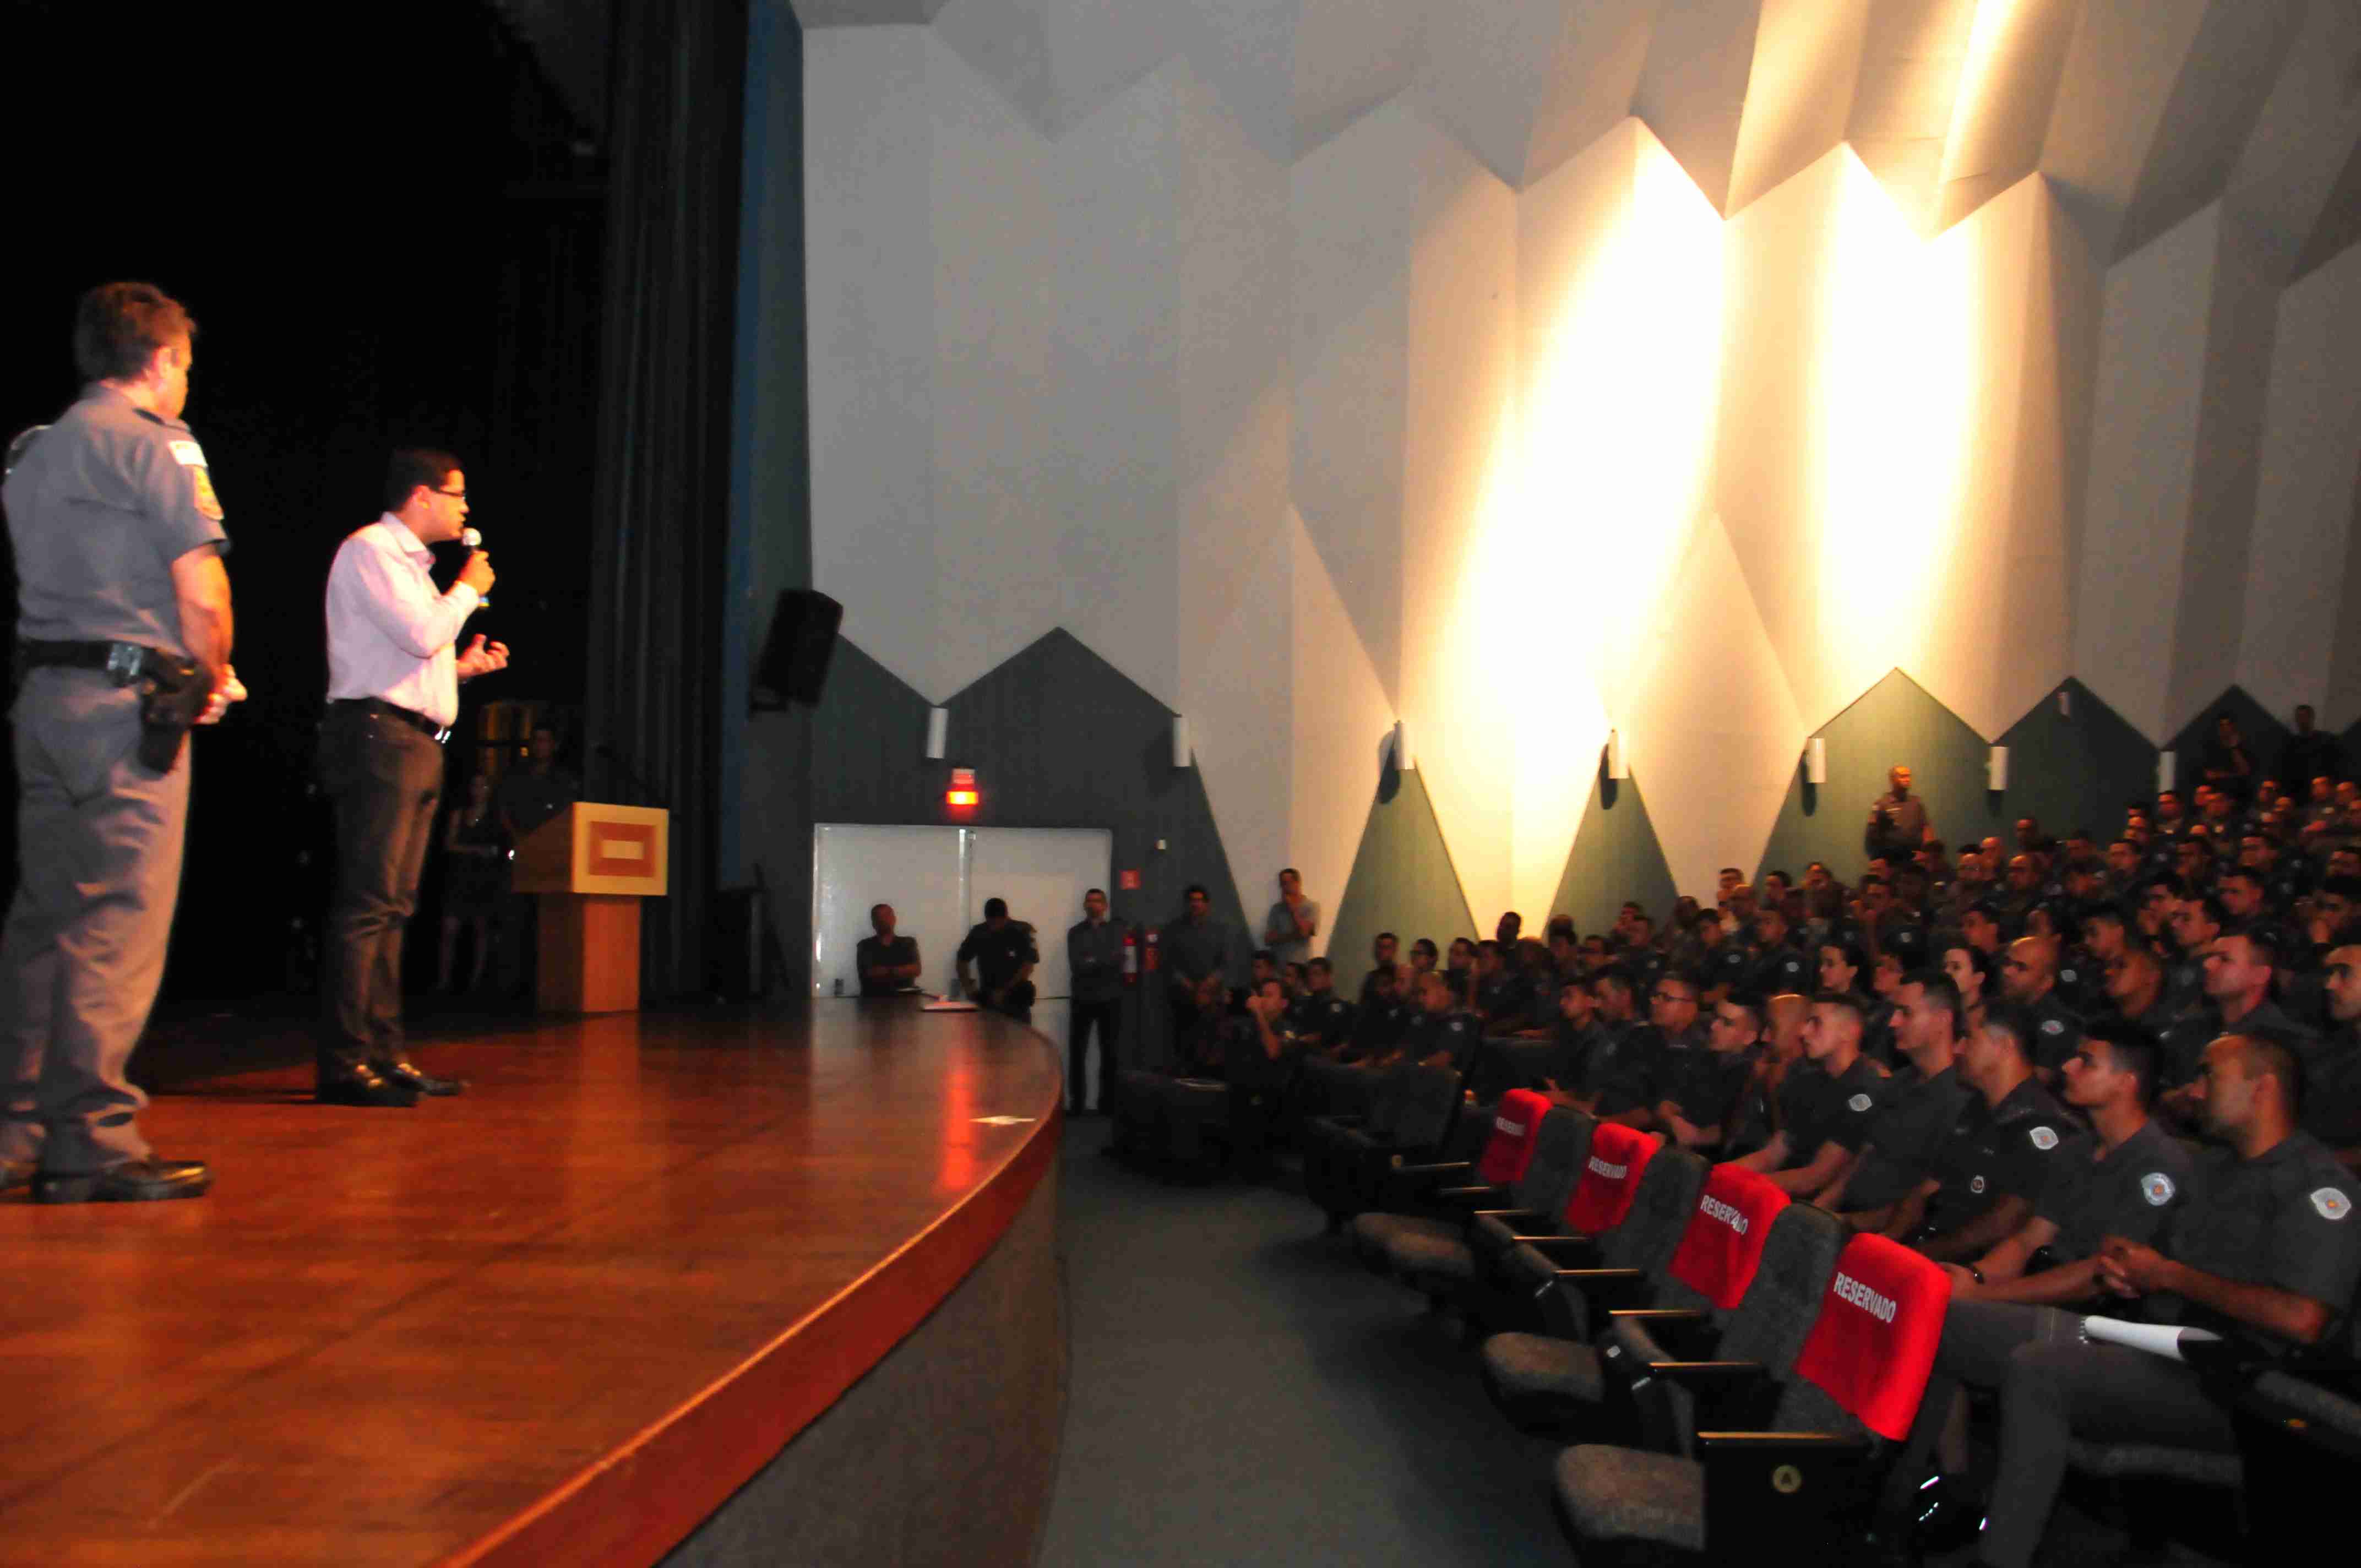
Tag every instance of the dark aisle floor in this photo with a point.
(1245, 1392)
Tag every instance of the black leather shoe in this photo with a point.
(134, 1181)
(15, 1173)
(402, 1070)
(359, 1084)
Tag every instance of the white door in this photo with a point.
(1043, 872)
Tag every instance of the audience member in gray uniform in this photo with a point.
(1323, 1020)
(1003, 953)
(1990, 1168)
(2267, 1253)
(1825, 1105)
(1385, 950)
(1293, 922)
(1699, 1097)
(2122, 1179)
(1195, 946)
(1648, 1056)
(1923, 1102)
(1441, 1033)
(2028, 977)
(2238, 968)
(2332, 1067)
(882, 961)
(120, 589)
(1094, 968)
(1897, 821)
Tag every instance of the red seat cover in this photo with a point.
(1722, 1246)
(1516, 1133)
(1873, 1342)
(1610, 1178)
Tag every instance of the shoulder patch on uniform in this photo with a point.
(1859, 1102)
(2053, 1025)
(2157, 1187)
(188, 455)
(1976, 1184)
(2332, 1204)
(207, 502)
(2044, 1138)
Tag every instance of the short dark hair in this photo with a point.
(994, 908)
(2275, 1054)
(1943, 990)
(1100, 890)
(2016, 1021)
(2133, 1050)
(412, 467)
(1427, 943)
(2263, 939)
(1321, 964)
(118, 327)
(1291, 871)
(1849, 948)
(1844, 1001)
(1383, 937)
(1750, 1003)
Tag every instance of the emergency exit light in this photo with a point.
(962, 792)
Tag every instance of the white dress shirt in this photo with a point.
(389, 633)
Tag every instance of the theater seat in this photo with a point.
(1550, 1376)
(1411, 1112)
(1811, 1484)
(1443, 1264)
(1434, 1198)
(1546, 1382)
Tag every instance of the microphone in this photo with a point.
(474, 541)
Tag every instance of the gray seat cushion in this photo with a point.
(1374, 1235)
(1628, 1494)
(1418, 1256)
(1533, 1364)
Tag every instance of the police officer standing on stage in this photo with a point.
(124, 639)
(393, 695)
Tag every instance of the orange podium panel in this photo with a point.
(590, 866)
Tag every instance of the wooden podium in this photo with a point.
(591, 864)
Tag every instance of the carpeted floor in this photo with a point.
(1244, 1391)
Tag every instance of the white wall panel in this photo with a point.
(1594, 81)
(1799, 90)
(1350, 56)
(1340, 719)
(2303, 508)
(1693, 87)
(1488, 65)
(870, 283)
(1459, 507)
(2136, 530)
(1716, 735)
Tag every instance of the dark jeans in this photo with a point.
(1106, 1019)
(98, 845)
(384, 778)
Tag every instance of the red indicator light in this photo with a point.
(959, 797)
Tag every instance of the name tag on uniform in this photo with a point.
(189, 454)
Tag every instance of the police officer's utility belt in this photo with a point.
(409, 715)
(124, 662)
(173, 690)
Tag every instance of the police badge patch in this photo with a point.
(1976, 1184)
(1859, 1102)
(2044, 1138)
(2157, 1187)
(2332, 1204)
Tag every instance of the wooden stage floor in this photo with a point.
(580, 1303)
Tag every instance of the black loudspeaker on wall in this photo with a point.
(794, 655)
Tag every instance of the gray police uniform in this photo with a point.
(1910, 1125)
(99, 508)
(2283, 1219)
(1094, 969)
(1994, 1153)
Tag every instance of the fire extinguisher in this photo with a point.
(1130, 955)
(1154, 963)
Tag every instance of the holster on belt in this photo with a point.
(173, 692)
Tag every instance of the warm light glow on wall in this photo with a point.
(1890, 398)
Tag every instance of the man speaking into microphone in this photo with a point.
(393, 694)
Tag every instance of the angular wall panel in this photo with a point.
(1342, 720)
(1488, 65)
(1594, 81)
(1059, 61)
(1402, 882)
(1807, 60)
(2303, 504)
(1693, 87)
(2007, 93)
(2078, 766)
(1616, 857)
(1912, 64)
(2120, 69)
(1349, 57)
(1714, 725)
(2135, 534)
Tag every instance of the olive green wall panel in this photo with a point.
(2078, 768)
(1402, 882)
(1615, 858)
(2265, 734)
(1894, 721)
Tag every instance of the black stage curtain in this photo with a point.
(660, 517)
